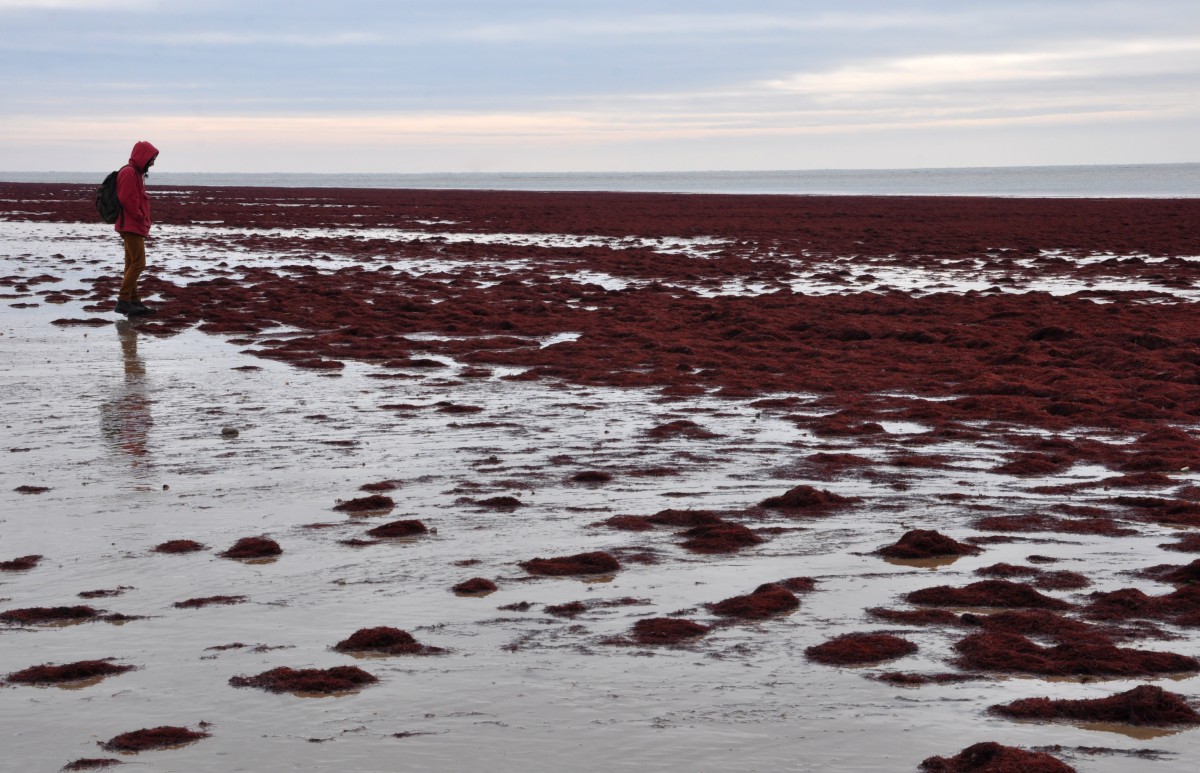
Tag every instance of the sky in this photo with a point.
(408, 86)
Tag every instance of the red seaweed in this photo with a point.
(476, 586)
(253, 547)
(860, 648)
(37, 615)
(807, 498)
(399, 529)
(321, 681)
(48, 673)
(164, 737)
(766, 601)
(921, 543)
(370, 503)
(666, 630)
(384, 640)
(986, 593)
(597, 562)
(721, 537)
(1013, 653)
(178, 546)
(1143, 705)
(21, 564)
(207, 601)
(991, 757)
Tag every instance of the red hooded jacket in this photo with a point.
(131, 191)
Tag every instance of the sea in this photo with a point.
(1102, 181)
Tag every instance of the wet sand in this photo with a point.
(514, 370)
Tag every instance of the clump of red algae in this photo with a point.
(570, 609)
(902, 679)
(104, 593)
(808, 498)
(35, 615)
(923, 543)
(1093, 656)
(1188, 543)
(1188, 574)
(723, 537)
(986, 593)
(49, 673)
(799, 584)
(1033, 622)
(991, 757)
(206, 601)
(476, 586)
(322, 681)
(404, 528)
(1061, 580)
(31, 489)
(21, 564)
(860, 648)
(627, 523)
(178, 546)
(597, 562)
(383, 485)
(384, 640)
(1143, 705)
(366, 504)
(914, 616)
(500, 503)
(681, 428)
(591, 476)
(666, 630)
(766, 600)
(1181, 606)
(684, 518)
(146, 739)
(91, 763)
(1106, 527)
(253, 547)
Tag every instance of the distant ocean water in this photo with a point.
(1110, 181)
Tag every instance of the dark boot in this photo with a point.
(124, 307)
(140, 308)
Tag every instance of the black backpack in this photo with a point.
(107, 203)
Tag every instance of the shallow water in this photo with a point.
(126, 431)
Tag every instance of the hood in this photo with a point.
(142, 153)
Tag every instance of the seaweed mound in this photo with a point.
(1143, 705)
(178, 546)
(991, 757)
(322, 681)
(35, 615)
(91, 763)
(923, 543)
(48, 673)
(666, 630)
(384, 640)
(914, 616)
(474, 587)
(722, 537)
(807, 498)
(207, 601)
(1013, 653)
(152, 738)
(20, 564)
(253, 547)
(501, 503)
(765, 601)
(405, 528)
(684, 518)
(597, 562)
(860, 648)
(366, 504)
(986, 593)
(628, 523)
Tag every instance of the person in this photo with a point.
(133, 224)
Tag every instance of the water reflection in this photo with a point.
(125, 419)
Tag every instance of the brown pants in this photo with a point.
(135, 262)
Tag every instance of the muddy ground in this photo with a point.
(718, 407)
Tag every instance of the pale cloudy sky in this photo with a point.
(561, 85)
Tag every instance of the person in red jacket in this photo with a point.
(134, 224)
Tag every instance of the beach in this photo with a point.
(699, 399)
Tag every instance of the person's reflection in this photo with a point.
(125, 419)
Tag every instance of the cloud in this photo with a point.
(1107, 59)
(316, 40)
